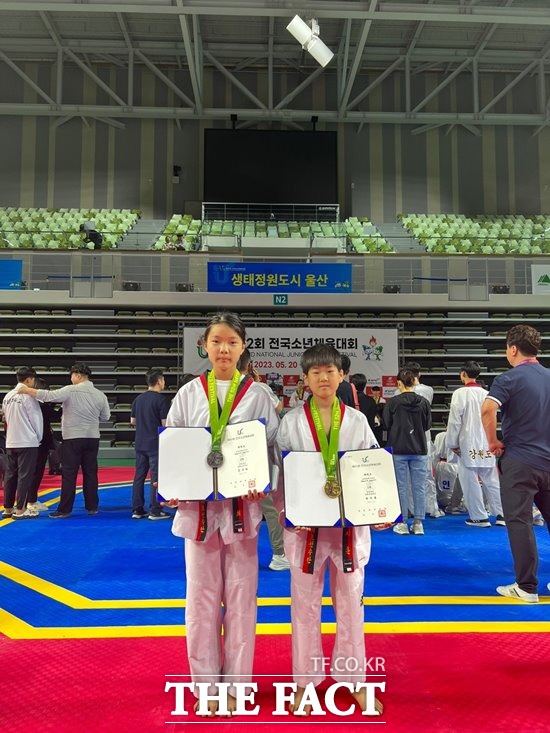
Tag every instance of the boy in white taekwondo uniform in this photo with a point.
(466, 437)
(309, 551)
(221, 537)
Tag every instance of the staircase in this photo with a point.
(399, 238)
(144, 234)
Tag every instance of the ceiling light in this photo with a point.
(308, 37)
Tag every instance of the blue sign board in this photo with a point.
(280, 277)
(11, 274)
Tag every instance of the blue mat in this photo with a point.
(449, 574)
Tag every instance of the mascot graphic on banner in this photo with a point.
(373, 349)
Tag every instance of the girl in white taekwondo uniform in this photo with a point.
(346, 551)
(221, 537)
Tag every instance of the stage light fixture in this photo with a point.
(308, 37)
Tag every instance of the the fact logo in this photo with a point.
(284, 694)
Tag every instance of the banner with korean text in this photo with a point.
(280, 277)
(276, 354)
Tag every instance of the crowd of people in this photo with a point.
(507, 478)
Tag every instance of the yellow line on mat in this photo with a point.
(79, 602)
(14, 628)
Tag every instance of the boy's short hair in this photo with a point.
(25, 373)
(414, 367)
(346, 363)
(359, 381)
(526, 338)
(154, 376)
(376, 388)
(244, 361)
(472, 369)
(320, 355)
(406, 377)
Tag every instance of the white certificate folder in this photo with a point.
(369, 490)
(184, 473)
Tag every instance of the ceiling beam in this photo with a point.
(508, 87)
(21, 74)
(294, 93)
(233, 79)
(390, 11)
(164, 79)
(441, 86)
(358, 57)
(189, 53)
(279, 115)
(379, 79)
(100, 83)
(270, 32)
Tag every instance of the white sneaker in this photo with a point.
(38, 506)
(279, 562)
(27, 514)
(438, 513)
(460, 509)
(514, 591)
(538, 521)
(478, 522)
(417, 527)
(401, 528)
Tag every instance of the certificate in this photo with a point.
(369, 489)
(184, 473)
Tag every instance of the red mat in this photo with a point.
(444, 683)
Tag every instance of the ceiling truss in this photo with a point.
(354, 23)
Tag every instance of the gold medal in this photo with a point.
(332, 489)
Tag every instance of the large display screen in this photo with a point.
(270, 166)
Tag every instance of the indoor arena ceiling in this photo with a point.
(380, 37)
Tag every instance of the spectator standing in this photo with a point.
(149, 411)
(24, 426)
(466, 438)
(366, 403)
(84, 407)
(407, 418)
(380, 402)
(50, 412)
(523, 396)
(346, 392)
(432, 507)
(271, 515)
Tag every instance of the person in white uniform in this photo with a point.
(311, 551)
(466, 437)
(221, 537)
(271, 515)
(424, 390)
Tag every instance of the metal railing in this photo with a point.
(99, 273)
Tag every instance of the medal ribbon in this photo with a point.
(329, 448)
(218, 422)
(320, 440)
(238, 504)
